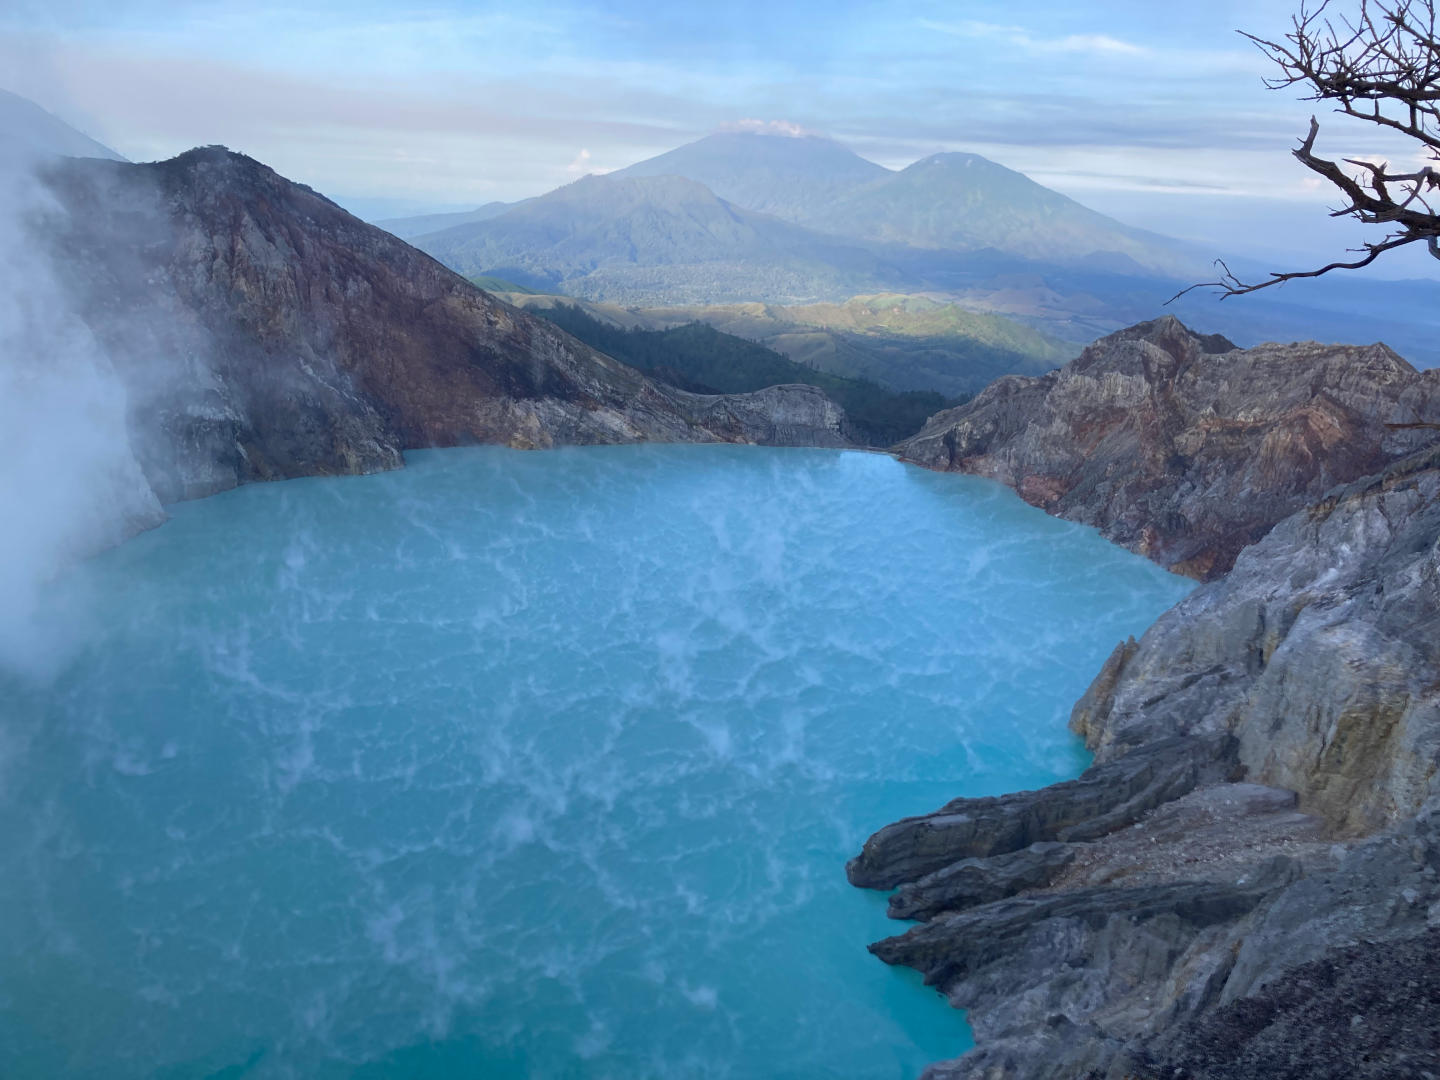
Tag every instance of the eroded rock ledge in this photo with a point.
(1180, 446)
(1244, 885)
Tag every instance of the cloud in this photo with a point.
(1091, 43)
(1059, 92)
(1100, 44)
(770, 127)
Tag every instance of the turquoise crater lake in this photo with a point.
(538, 765)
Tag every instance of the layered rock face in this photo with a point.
(1319, 652)
(262, 332)
(1244, 885)
(1180, 446)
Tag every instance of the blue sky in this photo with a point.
(1153, 112)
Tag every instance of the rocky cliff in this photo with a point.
(1244, 885)
(1182, 447)
(262, 332)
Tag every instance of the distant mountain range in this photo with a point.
(651, 239)
(796, 221)
(955, 202)
(777, 219)
(27, 129)
(964, 202)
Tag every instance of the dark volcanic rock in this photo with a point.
(971, 882)
(957, 946)
(262, 332)
(1179, 452)
(1057, 984)
(1104, 798)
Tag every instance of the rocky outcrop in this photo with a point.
(1319, 653)
(1276, 922)
(1104, 798)
(262, 332)
(1180, 446)
(972, 882)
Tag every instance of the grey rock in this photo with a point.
(1058, 984)
(971, 882)
(1368, 1011)
(1212, 834)
(1318, 652)
(788, 415)
(957, 945)
(1105, 798)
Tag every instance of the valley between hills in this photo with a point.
(1246, 882)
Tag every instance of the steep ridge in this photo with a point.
(1181, 447)
(1244, 884)
(262, 332)
(407, 228)
(26, 130)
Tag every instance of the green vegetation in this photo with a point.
(699, 358)
(901, 342)
(495, 284)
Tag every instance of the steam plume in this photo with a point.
(70, 485)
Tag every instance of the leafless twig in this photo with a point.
(1382, 66)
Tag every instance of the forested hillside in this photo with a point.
(701, 359)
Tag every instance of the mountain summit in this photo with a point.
(793, 177)
(947, 202)
(964, 202)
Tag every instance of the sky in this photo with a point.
(1154, 112)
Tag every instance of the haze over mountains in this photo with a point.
(27, 129)
(676, 227)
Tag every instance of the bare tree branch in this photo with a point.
(1381, 66)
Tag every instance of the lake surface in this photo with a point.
(537, 765)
